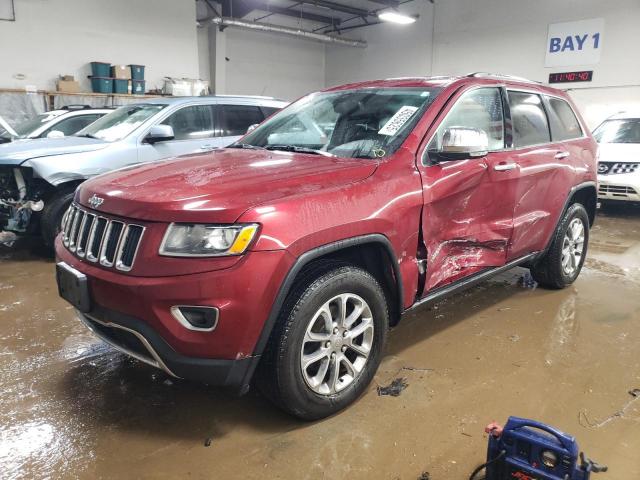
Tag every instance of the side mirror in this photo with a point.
(459, 143)
(55, 134)
(252, 127)
(160, 133)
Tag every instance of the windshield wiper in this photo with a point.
(88, 135)
(294, 148)
(245, 145)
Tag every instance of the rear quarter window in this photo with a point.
(530, 124)
(564, 123)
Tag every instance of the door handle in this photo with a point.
(503, 167)
(561, 155)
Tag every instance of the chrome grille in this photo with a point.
(99, 239)
(617, 190)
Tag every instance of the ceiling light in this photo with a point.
(396, 17)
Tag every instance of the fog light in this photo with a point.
(202, 319)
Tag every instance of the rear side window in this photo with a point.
(530, 125)
(191, 123)
(268, 111)
(235, 120)
(564, 123)
(71, 125)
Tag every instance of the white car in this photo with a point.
(619, 164)
(54, 124)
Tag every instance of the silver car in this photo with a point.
(53, 124)
(40, 176)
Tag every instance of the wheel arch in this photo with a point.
(361, 251)
(585, 194)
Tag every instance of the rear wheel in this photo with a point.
(328, 342)
(563, 261)
(51, 220)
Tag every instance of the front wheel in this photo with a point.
(328, 342)
(51, 220)
(563, 261)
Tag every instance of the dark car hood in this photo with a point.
(217, 186)
(19, 151)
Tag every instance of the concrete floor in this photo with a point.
(74, 408)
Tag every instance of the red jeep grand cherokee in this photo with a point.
(290, 253)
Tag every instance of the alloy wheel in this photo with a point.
(337, 344)
(573, 247)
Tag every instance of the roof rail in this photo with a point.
(498, 75)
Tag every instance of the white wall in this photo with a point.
(257, 63)
(500, 36)
(509, 36)
(392, 51)
(52, 37)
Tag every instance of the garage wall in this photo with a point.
(510, 36)
(502, 36)
(257, 63)
(392, 51)
(52, 37)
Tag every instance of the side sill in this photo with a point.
(468, 282)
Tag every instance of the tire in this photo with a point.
(52, 215)
(550, 271)
(306, 393)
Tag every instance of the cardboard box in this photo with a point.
(121, 72)
(68, 86)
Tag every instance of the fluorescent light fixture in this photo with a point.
(396, 17)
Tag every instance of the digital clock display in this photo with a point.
(568, 77)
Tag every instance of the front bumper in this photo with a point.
(134, 314)
(621, 187)
(135, 338)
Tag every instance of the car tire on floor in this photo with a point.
(327, 343)
(51, 220)
(561, 264)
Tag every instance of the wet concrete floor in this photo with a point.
(72, 407)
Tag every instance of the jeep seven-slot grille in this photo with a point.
(99, 239)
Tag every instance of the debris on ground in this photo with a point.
(207, 442)
(424, 476)
(584, 420)
(395, 388)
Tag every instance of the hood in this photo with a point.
(217, 186)
(17, 152)
(619, 152)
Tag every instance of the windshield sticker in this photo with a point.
(396, 122)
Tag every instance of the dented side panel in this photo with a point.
(467, 217)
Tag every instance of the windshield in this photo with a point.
(366, 123)
(120, 123)
(619, 131)
(25, 128)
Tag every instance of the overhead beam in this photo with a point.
(290, 12)
(338, 7)
(387, 3)
(236, 9)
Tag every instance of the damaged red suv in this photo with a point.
(283, 259)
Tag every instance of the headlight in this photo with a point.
(196, 240)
